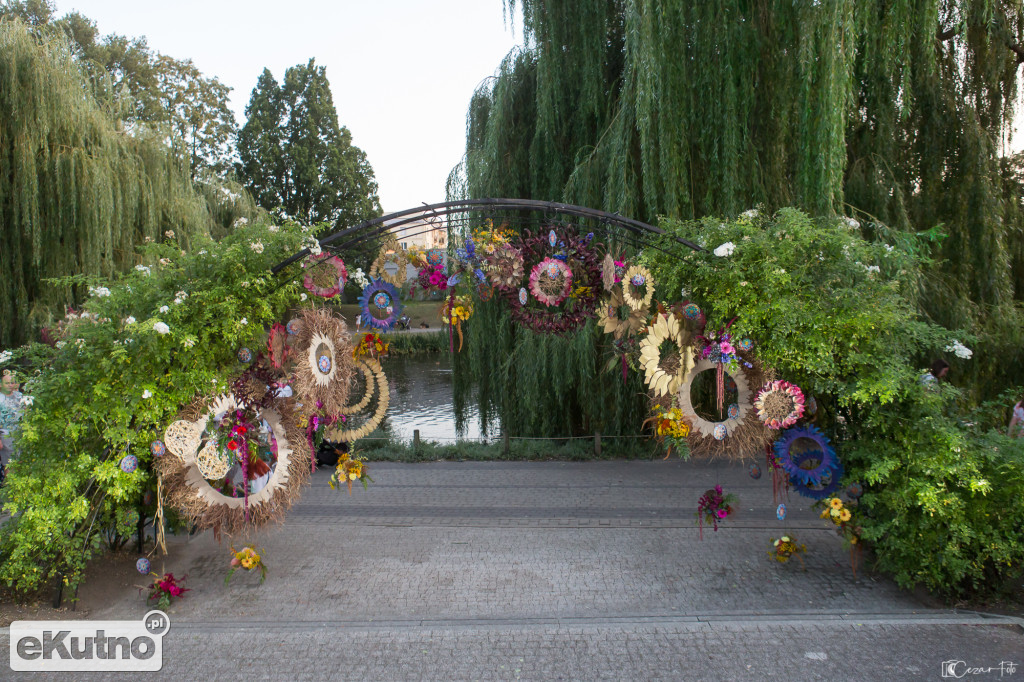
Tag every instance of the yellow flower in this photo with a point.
(844, 515)
(352, 476)
(836, 503)
(785, 538)
(835, 513)
(824, 513)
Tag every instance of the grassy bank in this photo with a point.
(519, 450)
(408, 343)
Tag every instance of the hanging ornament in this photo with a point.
(244, 356)
(142, 566)
(855, 490)
(754, 471)
(523, 296)
(552, 239)
(129, 463)
(780, 512)
(720, 432)
(745, 344)
(157, 448)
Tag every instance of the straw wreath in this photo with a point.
(376, 384)
(636, 277)
(323, 367)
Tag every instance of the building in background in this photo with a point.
(423, 233)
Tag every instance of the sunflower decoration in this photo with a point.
(663, 371)
(390, 265)
(323, 367)
(638, 288)
(564, 282)
(779, 404)
(619, 319)
(325, 275)
(380, 305)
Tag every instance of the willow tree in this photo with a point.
(895, 112)
(77, 191)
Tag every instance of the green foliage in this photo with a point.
(76, 193)
(836, 315)
(295, 156)
(409, 343)
(577, 450)
(118, 377)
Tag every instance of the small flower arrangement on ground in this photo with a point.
(370, 344)
(785, 548)
(164, 588)
(714, 507)
(349, 469)
(248, 558)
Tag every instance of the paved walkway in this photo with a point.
(552, 571)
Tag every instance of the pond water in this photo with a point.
(421, 398)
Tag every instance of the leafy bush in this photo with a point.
(837, 315)
(145, 346)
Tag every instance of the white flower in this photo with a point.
(165, 261)
(203, 252)
(181, 294)
(178, 301)
(256, 246)
(169, 234)
(313, 245)
(164, 309)
(61, 344)
(189, 342)
(752, 213)
(99, 291)
(161, 328)
(6, 356)
(229, 194)
(743, 284)
(960, 350)
(147, 394)
(244, 320)
(303, 297)
(682, 293)
(725, 249)
(888, 248)
(359, 277)
(143, 269)
(148, 240)
(273, 228)
(245, 284)
(873, 268)
(27, 400)
(780, 271)
(241, 222)
(129, 320)
(852, 224)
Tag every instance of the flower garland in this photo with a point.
(635, 278)
(713, 508)
(325, 275)
(455, 311)
(550, 281)
(779, 404)
(249, 559)
(380, 305)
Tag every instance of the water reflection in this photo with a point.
(421, 398)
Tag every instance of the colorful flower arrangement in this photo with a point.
(455, 311)
(671, 428)
(550, 281)
(249, 559)
(714, 507)
(325, 275)
(370, 344)
(164, 588)
(431, 277)
(349, 469)
(843, 518)
(785, 548)
(779, 404)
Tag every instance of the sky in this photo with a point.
(401, 71)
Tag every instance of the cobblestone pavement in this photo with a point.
(571, 571)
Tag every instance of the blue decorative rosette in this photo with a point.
(828, 459)
(377, 298)
(826, 486)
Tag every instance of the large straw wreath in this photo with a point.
(191, 463)
(664, 374)
(323, 361)
(741, 434)
(390, 254)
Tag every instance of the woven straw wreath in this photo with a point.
(633, 301)
(664, 328)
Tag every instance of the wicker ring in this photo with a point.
(383, 399)
(698, 423)
(182, 439)
(398, 257)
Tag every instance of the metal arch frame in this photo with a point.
(392, 221)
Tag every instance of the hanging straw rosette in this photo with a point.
(617, 318)
(359, 420)
(278, 351)
(665, 369)
(380, 305)
(323, 367)
(779, 404)
(390, 265)
(325, 275)
(638, 288)
(550, 281)
(564, 284)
